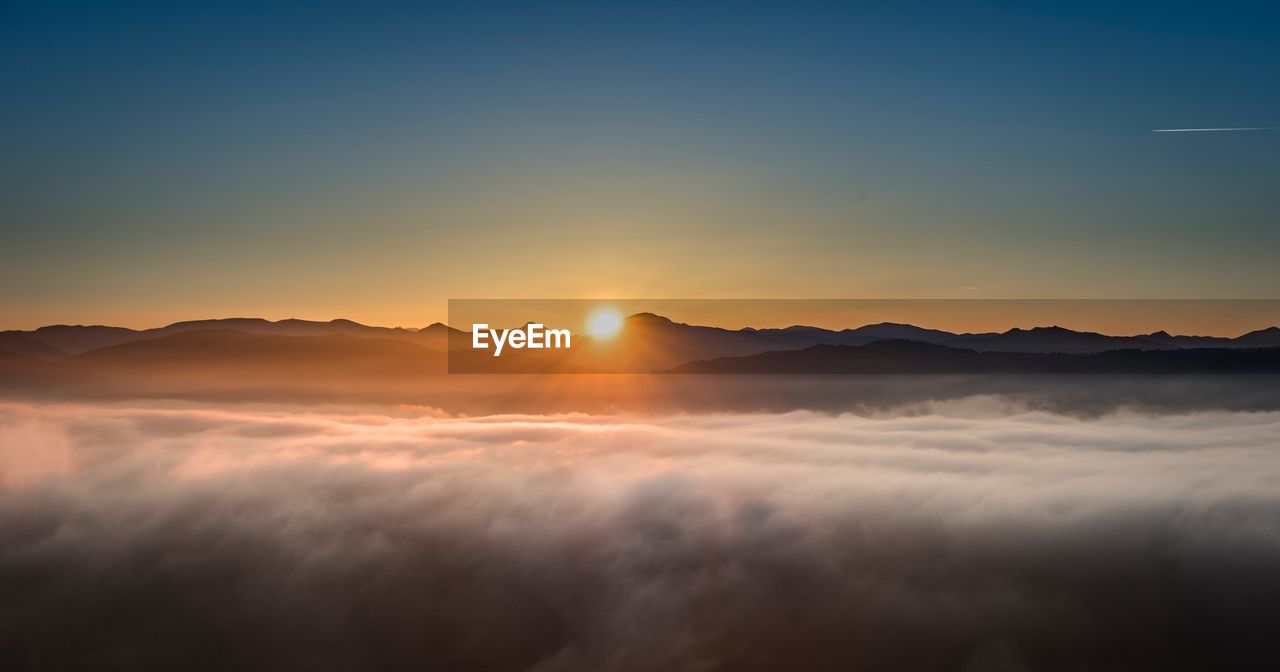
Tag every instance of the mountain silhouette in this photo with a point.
(289, 327)
(907, 332)
(650, 342)
(442, 337)
(1262, 338)
(647, 342)
(226, 351)
(897, 356)
(1056, 339)
(25, 345)
(75, 339)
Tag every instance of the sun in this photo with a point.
(604, 323)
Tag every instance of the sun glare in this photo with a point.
(604, 323)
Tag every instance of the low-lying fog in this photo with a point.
(977, 533)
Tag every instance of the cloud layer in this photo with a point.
(971, 534)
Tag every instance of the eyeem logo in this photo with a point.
(534, 336)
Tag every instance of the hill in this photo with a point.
(25, 345)
(228, 352)
(891, 357)
(646, 343)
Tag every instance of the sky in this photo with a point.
(170, 161)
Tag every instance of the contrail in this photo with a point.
(1212, 130)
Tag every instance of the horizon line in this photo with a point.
(1082, 330)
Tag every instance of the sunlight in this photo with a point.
(604, 323)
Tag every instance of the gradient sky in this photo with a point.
(163, 161)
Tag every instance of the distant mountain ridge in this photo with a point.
(650, 341)
(913, 357)
(253, 354)
(26, 345)
(54, 342)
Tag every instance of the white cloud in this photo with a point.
(972, 531)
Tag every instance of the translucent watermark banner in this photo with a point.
(852, 336)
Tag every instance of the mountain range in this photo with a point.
(898, 356)
(1039, 339)
(647, 342)
(56, 342)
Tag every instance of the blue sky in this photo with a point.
(165, 161)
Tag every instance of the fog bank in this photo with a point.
(973, 534)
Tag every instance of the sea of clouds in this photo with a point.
(971, 534)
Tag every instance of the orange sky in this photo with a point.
(371, 173)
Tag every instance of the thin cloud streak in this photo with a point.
(1213, 130)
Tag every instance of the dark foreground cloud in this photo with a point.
(972, 534)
